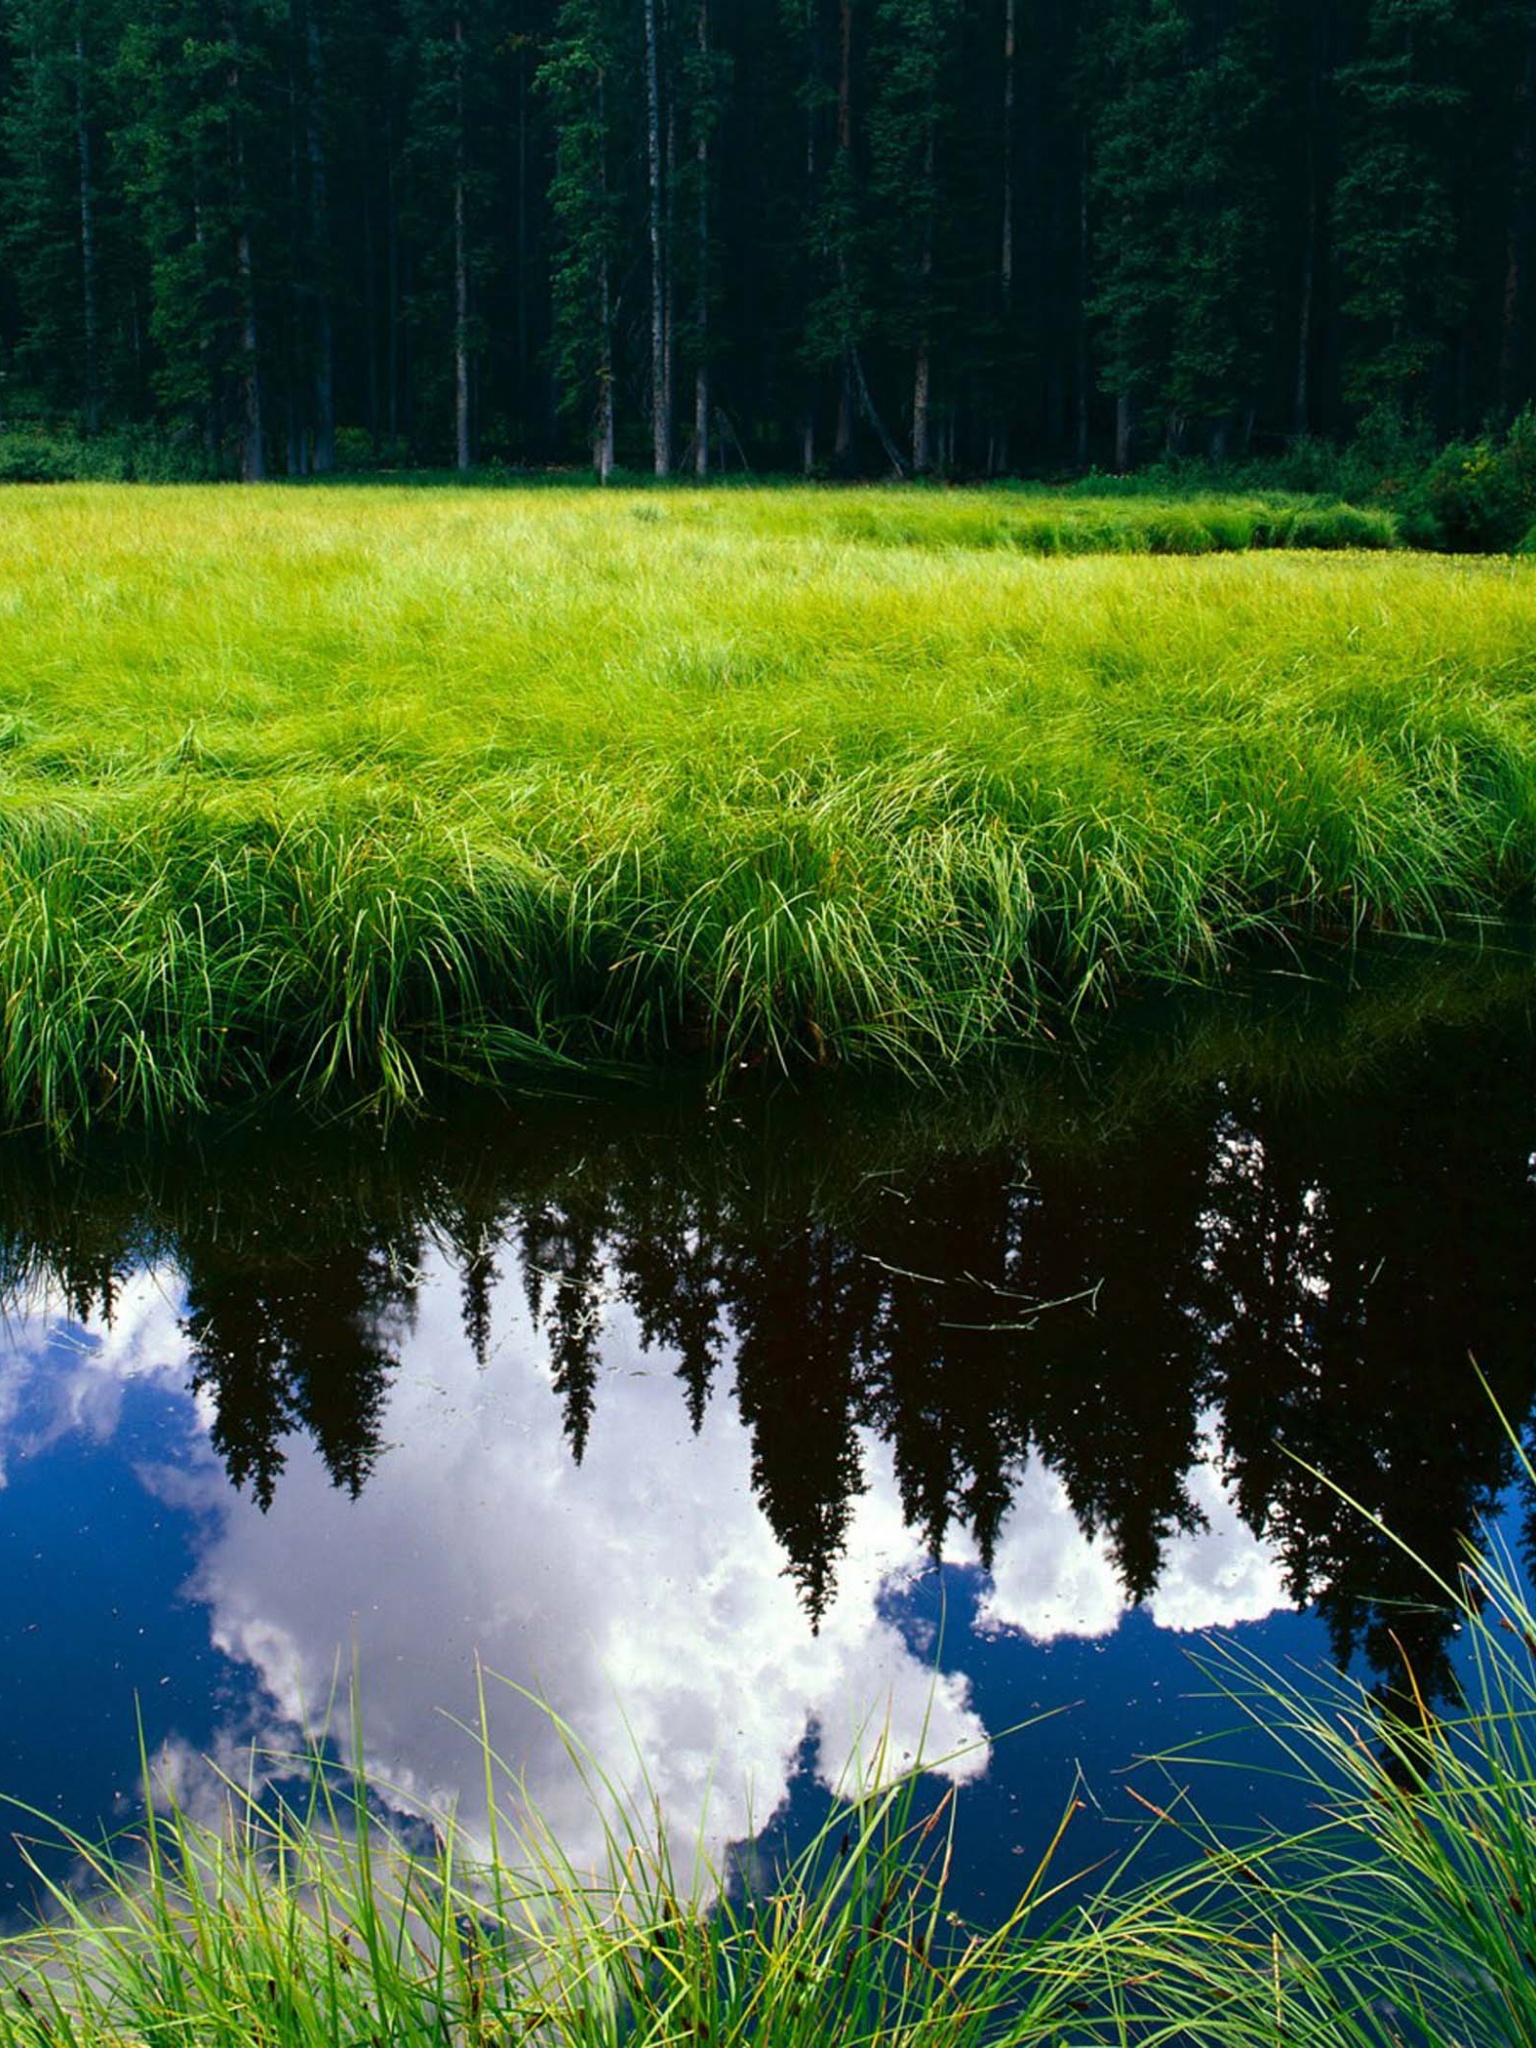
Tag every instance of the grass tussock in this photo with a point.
(346, 787)
(331, 1915)
(1404, 1914)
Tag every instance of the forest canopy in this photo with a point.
(976, 237)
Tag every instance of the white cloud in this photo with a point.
(1050, 1579)
(1222, 1574)
(59, 1377)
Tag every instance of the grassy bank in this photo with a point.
(343, 786)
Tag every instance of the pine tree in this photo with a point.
(61, 221)
(906, 119)
(1394, 207)
(193, 72)
(523, 226)
(1186, 237)
(584, 58)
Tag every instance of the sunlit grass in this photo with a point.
(306, 1908)
(346, 786)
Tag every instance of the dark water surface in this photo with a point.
(744, 1431)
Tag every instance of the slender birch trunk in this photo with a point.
(603, 442)
(661, 425)
(701, 228)
(324, 452)
(88, 268)
(461, 449)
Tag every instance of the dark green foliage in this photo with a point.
(1014, 236)
(1408, 103)
(1186, 219)
(55, 122)
(580, 78)
(1472, 500)
(1477, 497)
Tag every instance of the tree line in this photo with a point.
(970, 237)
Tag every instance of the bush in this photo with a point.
(39, 454)
(1474, 498)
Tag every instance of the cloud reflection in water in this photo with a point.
(643, 1593)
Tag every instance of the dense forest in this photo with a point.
(971, 237)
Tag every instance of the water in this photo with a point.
(750, 1432)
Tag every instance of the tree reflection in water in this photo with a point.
(1290, 1245)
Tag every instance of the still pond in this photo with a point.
(747, 1428)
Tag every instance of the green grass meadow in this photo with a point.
(343, 786)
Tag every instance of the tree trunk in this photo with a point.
(603, 444)
(701, 317)
(1308, 294)
(1303, 411)
(668, 247)
(211, 439)
(997, 453)
(860, 386)
(1518, 233)
(1005, 257)
(603, 441)
(371, 301)
(921, 383)
(522, 229)
(88, 269)
(922, 378)
(295, 422)
(324, 454)
(661, 425)
(461, 449)
(1084, 381)
(1125, 430)
(253, 460)
(842, 445)
(392, 280)
(812, 78)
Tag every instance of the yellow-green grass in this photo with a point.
(341, 786)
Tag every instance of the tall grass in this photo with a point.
(1405, 1914)
(311, 1921)
(345, 787)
